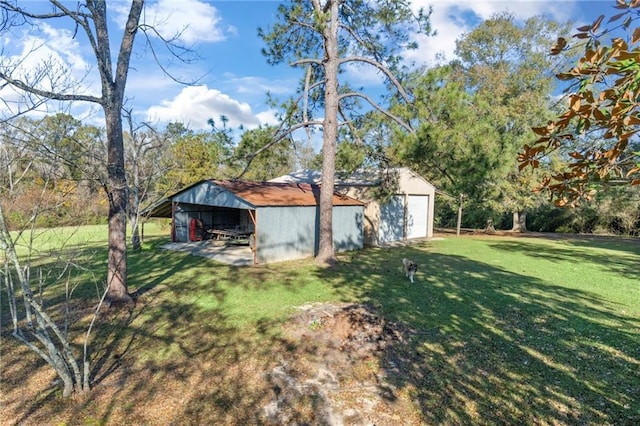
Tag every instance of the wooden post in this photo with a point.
(253, 242)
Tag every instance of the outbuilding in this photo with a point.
(407, 214)
(280, 221)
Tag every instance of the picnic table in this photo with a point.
(235, 234)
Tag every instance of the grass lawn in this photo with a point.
(499, 330)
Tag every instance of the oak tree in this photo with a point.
(47, 82)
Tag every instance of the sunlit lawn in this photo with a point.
(502, 330)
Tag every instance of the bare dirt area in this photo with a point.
(342, 367)
(332, 365)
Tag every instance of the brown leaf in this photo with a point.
(574, 102)
(596, 23)
(542, 131)
(616, 17)
(576, 155)
(559, 46)
(621, 4)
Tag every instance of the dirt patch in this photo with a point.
(338, 373)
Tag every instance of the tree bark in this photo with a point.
(326, 253)
(113, 86)
(519, 221)
(117, 193)
(459, 224)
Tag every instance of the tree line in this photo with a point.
(63, 157)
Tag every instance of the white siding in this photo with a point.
(391, 226)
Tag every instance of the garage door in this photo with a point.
(417, 212)
(391, 221)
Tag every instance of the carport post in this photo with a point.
(252, 215)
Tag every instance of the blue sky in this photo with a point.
(231, 73)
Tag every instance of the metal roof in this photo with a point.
(264, 194)
(259, 194)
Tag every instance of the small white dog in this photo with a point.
(410, 268)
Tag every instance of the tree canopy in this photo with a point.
(597, 129)
(473, 114)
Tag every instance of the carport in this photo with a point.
(278, 221)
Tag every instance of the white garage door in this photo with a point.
(391, 221)
(417, 212)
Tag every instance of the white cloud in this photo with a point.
(190, 20)
(51, 52)
(268, 117)
(453, 18)
(47, 58)
(194, 105)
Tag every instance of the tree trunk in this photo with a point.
(113, 86)
(459, 224)
(326, 254)
(117, 193)
(519, 221)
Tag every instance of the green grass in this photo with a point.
(528, 330)
(498, 330)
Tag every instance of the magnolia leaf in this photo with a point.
(616, 17)
(542, 131)
(599, 115)
(635, 182)
(576, 155)
(574, 102)
(565, 76)
(633, 171)
(560, 44)
(597, 23)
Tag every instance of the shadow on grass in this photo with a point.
(486, 346)
(493, 347)
(177, 350)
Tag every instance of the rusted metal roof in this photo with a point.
(264, 194)
(259, 194)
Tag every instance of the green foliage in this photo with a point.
(614, 211)
(473, 115)
(50, 169)
(194, 156)
(269, 163)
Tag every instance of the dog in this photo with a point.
(410, 268)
